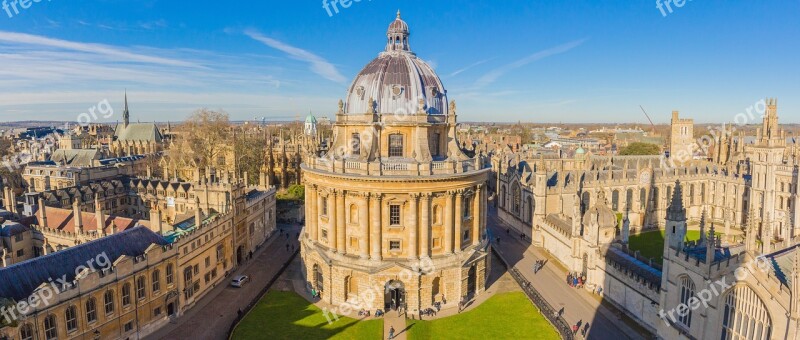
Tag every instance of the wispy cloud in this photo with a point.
(36, 40)
(493, 75)
(457, 72)
(316, 63)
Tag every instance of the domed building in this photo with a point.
(396, 210)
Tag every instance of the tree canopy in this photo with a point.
(640, 149)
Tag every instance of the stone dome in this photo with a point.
(397, 80)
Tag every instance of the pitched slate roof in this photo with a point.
(18, 281)
(9, 228)
(135, 132)
(62, 219)
(77, 157)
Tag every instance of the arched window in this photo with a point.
(108, 301)
(141, 289)
(615, 200)
(170, 273)
(529, 208)
(353, 213)
(156, 281)
(50, 327)
(642, 198)
(687, 292)
(745, 316)
(91, 310)
(350, 287)
(356, 144)
(71, 315)
(435, 288)
(691, 194)
(467, 208)
(318, 279)
(629, 200)
(126, 294)
(26, 332)
(517, 197)
(502, 196)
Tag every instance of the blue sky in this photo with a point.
(532, 61)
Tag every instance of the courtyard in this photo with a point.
(286, 315)
(651, 244)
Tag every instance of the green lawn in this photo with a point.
(651, 243)
(286, 315)
(503, 316)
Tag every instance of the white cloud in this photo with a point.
(493, 75)
(106, 50)
(317, 64)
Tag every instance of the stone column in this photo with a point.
(413, 209)
(459, 219)
(448, 223)
(375, 228)
(331, 206)
(476, 215)
(425, 227)
(341, 242)
(363, 223)
(313, 217)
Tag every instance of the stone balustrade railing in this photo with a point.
(389, 167)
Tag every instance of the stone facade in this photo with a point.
(396, 210)
(747, 192)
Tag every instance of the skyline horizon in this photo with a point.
(61, 60)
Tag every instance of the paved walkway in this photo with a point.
(579, 306)
(393, 319)
(212, 316)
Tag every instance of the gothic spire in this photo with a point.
(126, 116)
(676, 211)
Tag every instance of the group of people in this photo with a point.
(538, 266)
(575, 280)
(364, 312)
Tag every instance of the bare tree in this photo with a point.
(202, 138)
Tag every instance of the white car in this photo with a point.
(239, 280)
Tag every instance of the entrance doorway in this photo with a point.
(239, 255)
(472, 278)
(394, 295)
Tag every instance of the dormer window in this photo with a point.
(355, 144)
(396, 145)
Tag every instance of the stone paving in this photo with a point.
(579, 305)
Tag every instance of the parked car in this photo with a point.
(239, 280)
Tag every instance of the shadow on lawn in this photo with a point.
(286, 315)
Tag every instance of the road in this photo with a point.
(212, 316)
(579, 305)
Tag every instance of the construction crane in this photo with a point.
(648, 118)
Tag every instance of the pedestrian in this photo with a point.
(287, 247)
(508, 230)
(391, 332)
(574, 329)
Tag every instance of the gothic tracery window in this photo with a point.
(745, 316)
